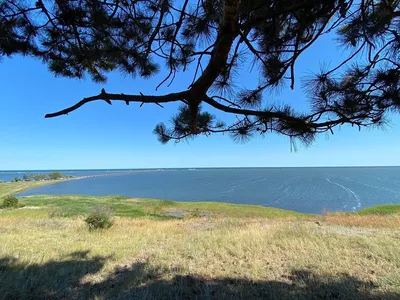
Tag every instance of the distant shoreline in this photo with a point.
(115, 174)
(190, 168)
(94, 175)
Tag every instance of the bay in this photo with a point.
(309, 190)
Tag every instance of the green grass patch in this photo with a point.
(229, 210)
(73, 205)
(381, 210)
(11, 188)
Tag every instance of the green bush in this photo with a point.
(40, 177)
(10, 202)
(100, 218)
(195, 213)
(56, 175)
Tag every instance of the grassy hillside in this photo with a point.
(73, 205)
(212, 251)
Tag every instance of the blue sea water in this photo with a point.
(310, 190)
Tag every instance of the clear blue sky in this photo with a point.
(120, 136)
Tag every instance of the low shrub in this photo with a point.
(195, 213)
(10, 202)
(56, 176)
(100, 218)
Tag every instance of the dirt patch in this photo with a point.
(176, 214)
(191, 214)
(31, 207)
(133, 200)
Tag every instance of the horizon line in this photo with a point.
(220, 167)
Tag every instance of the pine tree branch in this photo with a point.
(273, 13)
(283, 116)
(20, 11)
(227, 32)
(249, 112)
(173, 97)
(173, 42)
(163, 9)
(251, 48)
(228, 101)
(118, 36)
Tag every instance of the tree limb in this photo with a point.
(228, 31)
(163, 9)
(249, 112)
(173, 97)
(277, 115)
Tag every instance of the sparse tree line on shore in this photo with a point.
(40, 177)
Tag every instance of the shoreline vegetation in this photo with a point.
(61, 176)
(41, 177)
(190, 250)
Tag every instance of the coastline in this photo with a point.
(117, 173)
(122, 172)
(8, 188)
(20, 187)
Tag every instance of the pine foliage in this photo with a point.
(211, 40)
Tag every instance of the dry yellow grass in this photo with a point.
(234, 252)
(371, 221)
(198, 259)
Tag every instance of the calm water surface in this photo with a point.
(301, 189)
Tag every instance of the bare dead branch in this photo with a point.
(173, 97)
